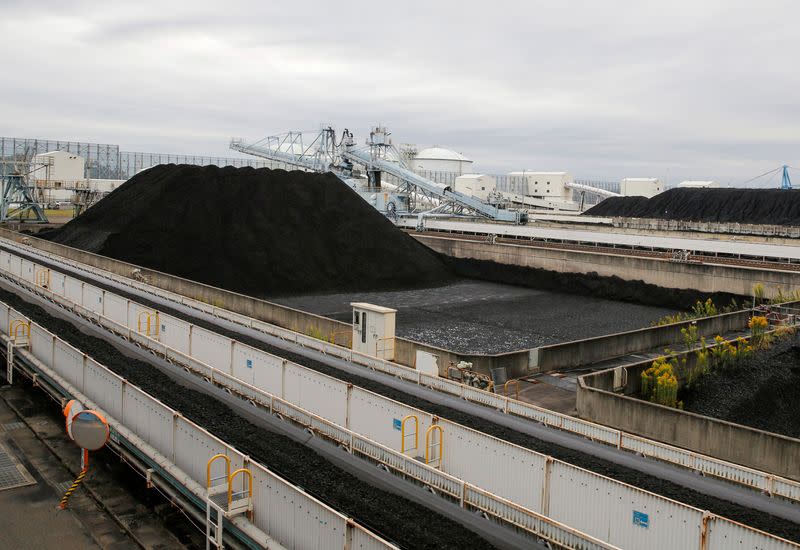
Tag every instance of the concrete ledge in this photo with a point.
(592, 350)
(516, 363)
(705, 278)
(785, 231)
(770, 452)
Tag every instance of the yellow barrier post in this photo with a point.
(516, 388)
(431, 447)
(139, 323)
(403, 433)
(227, 475)
(19, 327)
(42, 278)
(248, 489)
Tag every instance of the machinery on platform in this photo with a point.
(386, 181)
(18, 201)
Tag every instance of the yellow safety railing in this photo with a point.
(404, 435)
(384, 348)
(248, 489)
(227, 475)
(18, 328)
(516, 388)
(42, 278)
(148, 324)
(434, 446)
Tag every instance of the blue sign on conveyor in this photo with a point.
(641, 519)
(397, 424)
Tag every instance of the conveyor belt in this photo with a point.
(660, 470)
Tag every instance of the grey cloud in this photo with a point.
(604, 90)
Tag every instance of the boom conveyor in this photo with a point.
(437, 190)
(325, 154)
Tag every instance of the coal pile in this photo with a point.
(764, 393)
(256, 231)
(756, 206)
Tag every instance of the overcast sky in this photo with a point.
(678, 90)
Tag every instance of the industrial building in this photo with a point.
(640, 187)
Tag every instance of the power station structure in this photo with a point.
(364, 168)
(431, 182)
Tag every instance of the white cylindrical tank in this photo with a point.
(439, 159)
(640, 187)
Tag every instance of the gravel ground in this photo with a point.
(471, 316)
(403, 521)
(764, 393)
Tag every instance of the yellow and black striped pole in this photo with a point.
(72, 488)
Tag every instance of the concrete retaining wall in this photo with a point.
(649, 224)
(516, 363)
(657, 271)
(770, 452)
(593, 350)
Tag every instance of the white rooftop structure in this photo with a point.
(697, 184)
(440, 153)
(439, 159)
(640, 187)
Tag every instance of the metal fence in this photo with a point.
(105, 161)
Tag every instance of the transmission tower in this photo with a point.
(786, 183)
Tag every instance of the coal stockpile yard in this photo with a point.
(256, 231)
(752, 206)
(471, 316)
(439, 311)
(273, 233)
(763, 393)
(633, 477)
(405, 522)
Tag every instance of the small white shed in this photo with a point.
(640, 187)
(476, 185)
(373, 330)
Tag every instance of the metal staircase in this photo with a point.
(223, 502)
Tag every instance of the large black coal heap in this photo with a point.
(756, 206)
(256, 231)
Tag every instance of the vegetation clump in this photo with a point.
(660, 382)
(699, 310)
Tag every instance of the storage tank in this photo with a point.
(640, 187)
(439, 159)
(476, 185)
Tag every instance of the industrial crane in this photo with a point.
(378, 156)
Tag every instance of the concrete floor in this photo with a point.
(481, 317)
(29, 515)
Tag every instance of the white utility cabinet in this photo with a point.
(373, 330)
